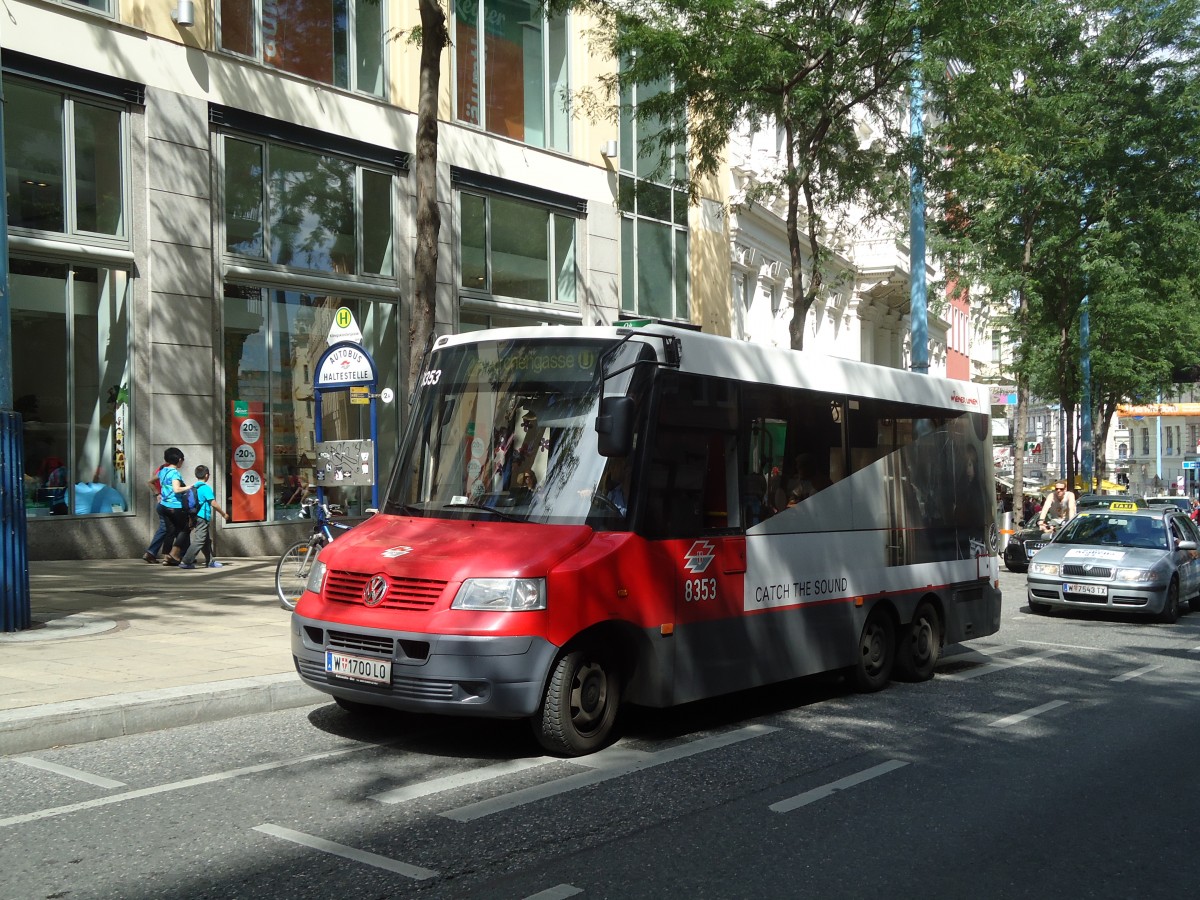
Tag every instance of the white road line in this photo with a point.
(1000, 665)
(1136, 673)
(352, 853)
(1195, 649)
(832, 788)
(1069, 646)
(558, 892)
(77, 774)
(1028, 714)
(620, 766)
(174, 786)
(461, 779)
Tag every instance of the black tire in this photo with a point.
(876, 653)
(919, 645)
(1039, 609)
(291, 574)
(579, 707)
(1170, 613)
(356, 708)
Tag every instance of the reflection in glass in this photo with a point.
(377, 223)
(311, 210)
(473, 231)
(98, 169)
(273, 342)
(243, 198)
(508, 433)
(76, 421)
(33, 147)
(520, 250)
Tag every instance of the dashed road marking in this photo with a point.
(999, 665)
(1028, 714)
(1136, 673)
(832, 788)
(558, 892)
(461, 779)
(77, 774)
(620, 763)
(352, 853)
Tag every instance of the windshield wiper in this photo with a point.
(480, 506)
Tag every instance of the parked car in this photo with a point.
(1143, 560)
(1184, 503)
(1029, 539)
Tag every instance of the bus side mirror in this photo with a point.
(614, 426)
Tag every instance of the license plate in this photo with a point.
(1093, 590)
(358, 668)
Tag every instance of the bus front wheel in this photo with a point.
(876, 653)
(579, 707)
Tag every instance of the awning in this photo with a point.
(1106, 486)
(1031, 485)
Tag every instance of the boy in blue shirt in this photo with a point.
(202, 530)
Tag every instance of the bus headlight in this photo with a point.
(501, 594)
(316, 577)
(1037, 568)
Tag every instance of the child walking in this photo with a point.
(202, 531)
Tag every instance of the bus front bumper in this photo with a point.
(499, 677)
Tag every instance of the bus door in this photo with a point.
(694, 502)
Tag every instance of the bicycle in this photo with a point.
(291, 574)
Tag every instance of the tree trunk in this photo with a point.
(429, 217)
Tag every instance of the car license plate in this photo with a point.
(1032, 547)
(358, 668)
(1092, 590)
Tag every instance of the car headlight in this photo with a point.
(501, 594)
(1138, 575)
(316, 577)
(1043, 568)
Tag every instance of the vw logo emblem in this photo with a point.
(375, 590)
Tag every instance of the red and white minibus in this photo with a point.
(581, 517)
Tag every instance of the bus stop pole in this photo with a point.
(14, 548)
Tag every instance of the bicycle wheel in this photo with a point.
(291, 574)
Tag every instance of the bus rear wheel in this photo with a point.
(920, 645)
(876, 653)
(579, 707)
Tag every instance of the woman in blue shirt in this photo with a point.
(170, 506)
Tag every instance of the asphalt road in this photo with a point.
(1057, 758)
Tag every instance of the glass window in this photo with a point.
(314, 217)
(273, 341)
(515, 81)
(98, 5)
(64, 162)
(337, 42)
(76, 415)
(517, 250)
(654, 236)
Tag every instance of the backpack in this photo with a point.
(190, 503)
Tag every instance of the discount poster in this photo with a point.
(247, 465)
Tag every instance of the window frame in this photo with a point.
(550, 89)
(69, 98)
(352, 50)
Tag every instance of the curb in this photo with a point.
(79, 721)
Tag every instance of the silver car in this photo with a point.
(1130, 560)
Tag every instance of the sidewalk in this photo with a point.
(122, 647)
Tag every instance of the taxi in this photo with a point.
(1122, 557)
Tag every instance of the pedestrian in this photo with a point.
(156, 542)
(202, 530)
(170, 506)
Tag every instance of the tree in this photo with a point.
(818, 69)
(1070, 172)
(433, 37)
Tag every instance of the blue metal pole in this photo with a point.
(14, 547)
(1085, 413)
(916, 249)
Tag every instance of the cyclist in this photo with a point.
(1058, 508)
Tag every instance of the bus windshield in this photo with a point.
(505, 431)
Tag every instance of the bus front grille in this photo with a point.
(402, 593)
